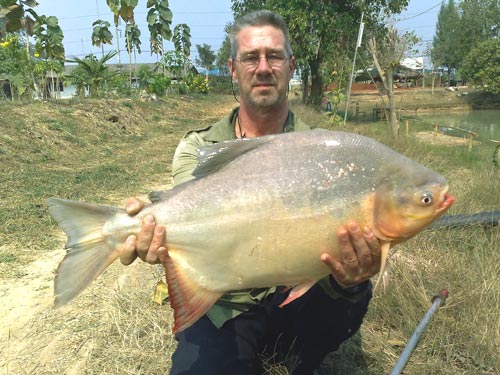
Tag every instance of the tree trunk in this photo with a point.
(316, 82)
(304, 75)
(392, 115)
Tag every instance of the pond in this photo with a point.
(485, 123)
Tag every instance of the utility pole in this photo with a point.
(358, 44)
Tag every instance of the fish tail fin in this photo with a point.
(88, 254)
(188, 300)
(383, 264)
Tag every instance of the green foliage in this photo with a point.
(197, 83)
(13, 15)
(49, 38)
(220, 85)
(132, 38)
(120, 84)
(175, 61)
(14, 65)
(101, 34)
(224, 53)
(153, 83)
(182, 39)
(159, 20)
(482, 66)
(91, 72)
(123, 9)
(206, 57)
(447, 44)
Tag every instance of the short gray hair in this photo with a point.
(259, 18)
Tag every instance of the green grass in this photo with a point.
(70, 149)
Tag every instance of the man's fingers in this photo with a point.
(145, 236)
(358, 242)
(133, 206)
(348, 254)
(157, 242)
(372, 242)
(128, 253)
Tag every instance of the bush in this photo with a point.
(197, 83)
(220, 85)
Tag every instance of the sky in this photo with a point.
(205, 18)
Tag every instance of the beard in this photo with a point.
(268, 97)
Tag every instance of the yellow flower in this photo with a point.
(4, 44)
(36, 54)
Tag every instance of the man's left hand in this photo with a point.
(360, 251)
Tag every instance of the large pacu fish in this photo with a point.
(259, 213)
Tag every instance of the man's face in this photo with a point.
(262, 84)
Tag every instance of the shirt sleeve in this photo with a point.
(186, 158)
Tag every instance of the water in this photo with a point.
(485, 123)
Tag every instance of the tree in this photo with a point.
(159, 20)
(321, 31)
(182, 43)
(387, 50)
(481, 66)
(224, 53)
(14, 17)
(123, 9)
(206, 57)
(133, 43)
(182, 39)
(14, 66)
(101, 34)
(49, 45)
(91, 72)
(446, 44)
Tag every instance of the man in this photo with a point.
(243, 325)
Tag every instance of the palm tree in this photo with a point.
(91, 72)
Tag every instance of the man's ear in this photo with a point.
(230, 64)
(292, 65)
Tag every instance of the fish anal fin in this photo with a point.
(298, 291)
(188, 300)
(385, 247)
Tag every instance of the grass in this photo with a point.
(106, 151)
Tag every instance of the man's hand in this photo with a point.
(360, 251)
(148, 243)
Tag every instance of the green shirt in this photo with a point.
(185, 161)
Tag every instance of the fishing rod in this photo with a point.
(437, 301)
(489, 218)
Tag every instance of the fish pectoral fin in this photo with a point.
(298, 291)
(385, 247)
(188, 300)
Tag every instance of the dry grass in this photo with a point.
(78, 150)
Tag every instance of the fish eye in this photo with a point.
(426, 199)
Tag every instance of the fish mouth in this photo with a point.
(447, 202)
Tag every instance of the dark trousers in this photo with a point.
(305, 330)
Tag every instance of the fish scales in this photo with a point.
(262, 211)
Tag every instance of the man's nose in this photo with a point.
(263, 64)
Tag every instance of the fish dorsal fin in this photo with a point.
(214, 157)
(385, 247)
(156, 196)
(189, 300)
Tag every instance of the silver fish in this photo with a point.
(259, 213)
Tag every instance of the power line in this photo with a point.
(425, 11)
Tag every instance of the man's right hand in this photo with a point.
(149, 243)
